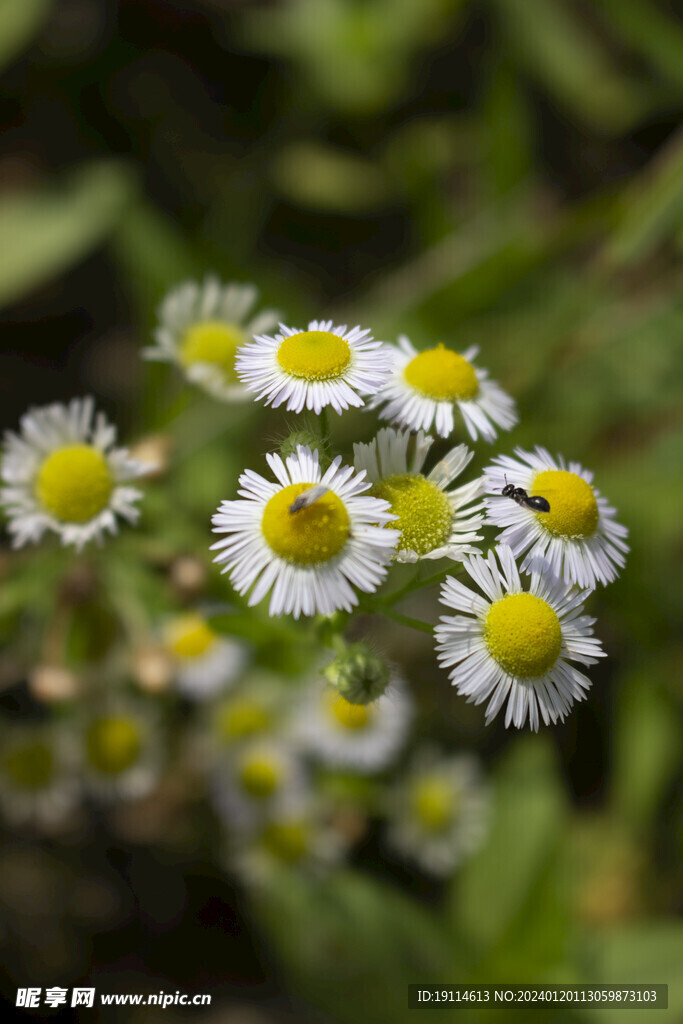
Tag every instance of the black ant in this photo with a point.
(533, 501)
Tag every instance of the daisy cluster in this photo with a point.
(297, 765)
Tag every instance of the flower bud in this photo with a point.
(359, 675)
(309, 438)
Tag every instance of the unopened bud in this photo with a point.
(152, 669)
(359, 675)
(188, 575)
(52, 683)
(310, 439)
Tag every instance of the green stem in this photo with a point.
(324, 423)
(406, 620)
(413, 585)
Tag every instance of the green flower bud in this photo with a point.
(359, 675)
(311, 439)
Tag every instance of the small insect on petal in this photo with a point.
(307, 498)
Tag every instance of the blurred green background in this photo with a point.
(504, 172)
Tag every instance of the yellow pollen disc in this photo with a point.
(573, 508)
(240, 718)
(288, 841)
(350, 716)
(434, 803)
(189, 636)
(215, 342)
(74, 483)
(259, 776)
(313, 534)
(30, 766)
(523, 634)
(113, 744)
(442, 375)
(425, 515)
(314, 355)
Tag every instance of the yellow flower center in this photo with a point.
(442, 375)
(74, 483)
(260, 775)
(434, 803)
(215, 342)
(523, 634)
(287, 840)
(349, 716)
(189, 636)
(29, 766)
(240, 718)
(310, 535)
(113, 744)
(314, 355)
(573, 508)
(425, 515)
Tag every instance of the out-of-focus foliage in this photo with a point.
(501, 172)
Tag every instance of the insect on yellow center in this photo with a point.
(314, 355)
(30, 765)
(189, 636)
(425, 515)
(214, 342)
(241, 718)
(523, 634)
(311, 535)
(113, 744)
(434, 803)
(74, 483)
(573, 508)
(350, 716)
(289, 841)
(443, 375)
(260, 776)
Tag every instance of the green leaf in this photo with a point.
(652, 208)
(48, 230)
(528, 814)
(19, 21)
(649, 952)
(647, 742)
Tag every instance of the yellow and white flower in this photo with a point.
(515, 645)
(426, 387)
(434, 522)
(38, 784)
(205, 663)
(363, 738)
(201, 327)
(120, 750)
(579, 539)
(323, 365)
(62, 474)
(257, 781)
(438, 813)
(303, 838)
(309, 538)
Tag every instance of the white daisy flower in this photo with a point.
(258, 780)
(37, 780)
(434, 522)
(308, 538)
(578, 538)
(323, 365)
(438, 814)
(120, 750)
(205, 663)
(201, 327)
(425, 387)
(516, 645)
(253, 709)
(302, 837)
(361, 737)
(63, 474)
